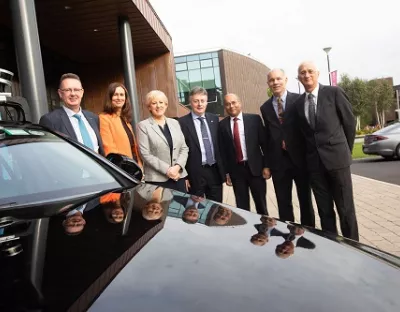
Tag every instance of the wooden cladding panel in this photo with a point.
(245, 77)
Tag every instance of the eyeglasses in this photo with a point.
(69, 90)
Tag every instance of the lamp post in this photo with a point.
(298, 83)
(329, 67)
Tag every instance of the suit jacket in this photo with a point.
(288, 131)
(333, 138)
(254, 133)
(155, 151)
(58, 120)
(194, 162)
(115, 139)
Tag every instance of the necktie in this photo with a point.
(311, 111)
(280, 110)
(87, 141)
(236, 140)
(206, 142)
(280, 116)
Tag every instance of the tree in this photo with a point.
(357, 91)
(269, 92)
(380, 96)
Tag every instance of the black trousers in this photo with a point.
(242, 181)
(283, 184)
(335, 186)
(210, 184)
(179, 185)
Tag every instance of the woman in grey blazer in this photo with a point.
(162, 145)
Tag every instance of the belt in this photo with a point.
(209, 166)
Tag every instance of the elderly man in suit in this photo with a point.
(162, 145)
(286, 150)
(71, 120)
(204, 165)
(242, 144)
(328, 125)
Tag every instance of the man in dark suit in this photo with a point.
(242, 144)
(328, 125)
(286, 150)
(80, 125)
(204, 165)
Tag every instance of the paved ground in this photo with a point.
(378, 168)
(377, 206)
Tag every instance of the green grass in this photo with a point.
(357, 151)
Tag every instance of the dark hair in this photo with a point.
(198, 90)
(126, 112)
(68, 76)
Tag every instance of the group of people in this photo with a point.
(306, 139)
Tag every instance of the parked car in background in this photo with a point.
(384, 142)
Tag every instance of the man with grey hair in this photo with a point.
(204, 164)
(286, 150)
(328, 126)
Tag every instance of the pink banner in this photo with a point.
(334, 78)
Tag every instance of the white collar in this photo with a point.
(314, 92)
(240, 116)
(70, 112)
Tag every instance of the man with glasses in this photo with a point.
(71, 120)
(328, 125)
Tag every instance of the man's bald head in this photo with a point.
(233, 105)
(308, 75)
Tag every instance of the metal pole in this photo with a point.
(329, 69)
(29, 56)
(129, 66)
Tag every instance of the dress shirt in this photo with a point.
(75, 125)
(197, 125)
(79, 209)
(241, 134)
(275, 102)
(315, 93)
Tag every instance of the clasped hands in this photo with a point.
(174, 172)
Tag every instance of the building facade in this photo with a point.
(101, 41)
(222, 71)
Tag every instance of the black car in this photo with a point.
(79, 233)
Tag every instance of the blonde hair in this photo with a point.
(155, 94)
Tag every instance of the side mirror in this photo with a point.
(127, 164)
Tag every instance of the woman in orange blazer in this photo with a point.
(115, 128)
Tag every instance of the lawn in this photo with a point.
(357, 151)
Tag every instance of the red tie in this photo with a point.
(236, 140)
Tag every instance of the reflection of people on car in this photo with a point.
(156, 200)
(263, 229)
(222, 216)
(74, 222)
(192, 205)
(293, 239)
(114, 206)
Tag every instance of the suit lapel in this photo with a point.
(227, 126)
(192, 129)
(67, 124)
(320, 106)
(157, 130)
(247, 132)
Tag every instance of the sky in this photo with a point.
(281, 34)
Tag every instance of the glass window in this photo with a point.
(215, 62)
(217, 77)
(43, 167)
(207, 75)
(195, 78)
(181, 59)
(192, 57)
(206, 63)
(214, 54)
(205, 56)
(183, 81)
(193, 65)
(181, 66)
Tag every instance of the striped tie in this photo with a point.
(206, 142)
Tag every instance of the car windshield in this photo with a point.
(393, 128)
(38, 166)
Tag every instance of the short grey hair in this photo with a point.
(198, 90)
(276, 69)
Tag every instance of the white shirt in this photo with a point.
(306, 103)
(197, 125)
(80, 209)
(241, 134)
(75, 125)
